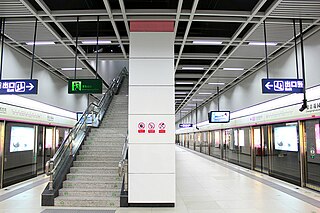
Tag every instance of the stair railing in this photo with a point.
(123, 165)
(92, 116)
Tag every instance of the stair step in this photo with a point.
(93, 177)
(97, 142)
(107, 135)
(100, 147)
(99, 152)
(87, 201)
(95, 163)
(94, 170)
(72, 192)
(109, 130)
(92, 184)
(97, 158)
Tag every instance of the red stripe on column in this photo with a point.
(151, 26)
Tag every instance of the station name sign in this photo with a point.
(185, 125)
(19, 87)
(84, 86)
(282, 85)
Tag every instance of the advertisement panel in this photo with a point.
(317, 137)
(21, 139)
(286, 138)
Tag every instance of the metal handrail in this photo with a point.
(69, 146)
(123, 164)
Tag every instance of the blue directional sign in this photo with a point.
(21, 86)
(282, 85)
(185, 125)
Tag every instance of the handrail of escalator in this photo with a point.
(74, 139)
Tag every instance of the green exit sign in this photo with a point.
(84, 86)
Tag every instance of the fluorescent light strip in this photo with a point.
(95, 42)
(41, 43)
(70, 68)
(205, 93)
(259, 43)
(207, 42)
(184, 83)
(191, 104)
(184, 111)
(233, 68)
(197, 99)
(180, 93)
(217, 83)
(193, 68)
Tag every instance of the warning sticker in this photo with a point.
(141, 127)
(151, 127)
(162, 127)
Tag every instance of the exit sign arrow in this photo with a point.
(282, 85)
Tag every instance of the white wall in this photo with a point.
(51, 89)
(248, 92)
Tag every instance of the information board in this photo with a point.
(282, 85)
(17, 87)
(84, 86)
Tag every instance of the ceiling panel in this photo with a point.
(252, 51)
(51, 51)
(13, 8)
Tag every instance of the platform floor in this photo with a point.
(204, 184)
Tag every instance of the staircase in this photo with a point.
(93, 180)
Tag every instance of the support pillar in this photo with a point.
(151, 114)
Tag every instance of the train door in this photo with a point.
(285, 152)
(40, 150)
(2, 125)
(312, 157)
(226, 139)
(260, 149)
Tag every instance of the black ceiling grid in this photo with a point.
(214, 20)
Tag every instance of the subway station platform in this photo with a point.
(203, 184)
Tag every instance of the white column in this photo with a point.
(151, 114)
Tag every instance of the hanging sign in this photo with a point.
(84, 86)
(151, 127)
(162, 127)
(185, 125)
(282, 85)
(22, 86)
(141, 127)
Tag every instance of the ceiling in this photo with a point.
(230, 24)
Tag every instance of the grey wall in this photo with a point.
(109, 69)
(51, 89)
(248, 92)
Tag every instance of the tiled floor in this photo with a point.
(202, 186)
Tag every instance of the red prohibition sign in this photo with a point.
(141, 125)
(151, 125)
(162, 125)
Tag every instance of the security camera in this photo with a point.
(304, 105)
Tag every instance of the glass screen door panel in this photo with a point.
(313, 154)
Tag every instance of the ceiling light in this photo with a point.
(181, 93)
(217, 83)
(191, 104)
(70, 68)
(259, 43)
(184, 111)
(208, 42)
(193, 68)
(187, 108)
(184, 82)
(205, 93)
(95, 42)
(40, 43)
(233, 68)
(197, 99)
